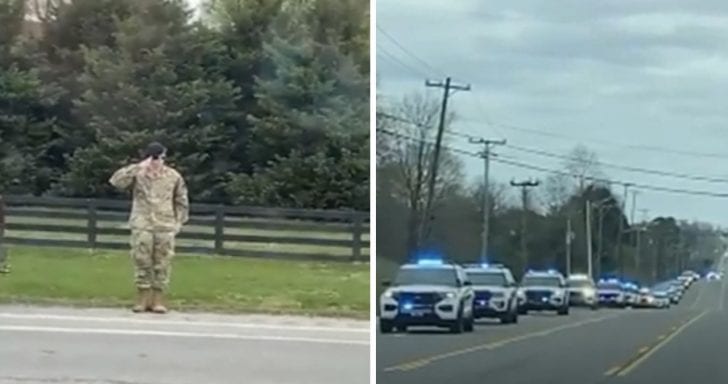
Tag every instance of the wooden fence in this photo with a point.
(296, 234)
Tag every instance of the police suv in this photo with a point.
(428, 293)
(495, 292)
(582, 291)
(611, 293)
(544, 291)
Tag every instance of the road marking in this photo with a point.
(128, 320)
(612, 371)
(643, 350)
(664, 336)
(643, 357)
(201, 335)
(421, 362)
(697, 299)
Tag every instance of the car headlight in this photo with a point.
(391, 295)
(589, 292)
(447, 295)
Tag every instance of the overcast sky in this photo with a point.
(612, 75)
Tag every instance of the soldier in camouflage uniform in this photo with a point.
(160, 208)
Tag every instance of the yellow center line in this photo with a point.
(421, 362)
(644, 356)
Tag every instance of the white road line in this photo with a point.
(202, 335)
(697, 299)
(19, 316)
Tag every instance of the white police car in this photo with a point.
(544, 291)
(582, 291)
(495, 292)
(611, 293)
(428, 293)
(631, 294)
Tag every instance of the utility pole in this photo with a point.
(447, 86)
(524, 185)
(569, 239)
(589, 239)
(487, 144)
(601, 208)
(634, 205)
(621, 229)
(639, 237)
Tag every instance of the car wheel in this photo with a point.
(563, 311)
(470, 324)
(457, 326)
(459, 323)
(514, 319)
(385, 326)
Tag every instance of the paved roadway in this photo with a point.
(60, 346)
(685, 344)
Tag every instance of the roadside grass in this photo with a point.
(80, 277)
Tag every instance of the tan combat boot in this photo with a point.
(157, 300)
(143, 299)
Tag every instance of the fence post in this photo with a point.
(219, 229)
(91, 223)
(358, 228)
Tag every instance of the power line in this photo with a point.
(643, 147)
(519, 164)
(539, 152)
(409, 53)
(394, 58)
(625, 167)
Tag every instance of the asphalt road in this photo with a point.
(60, 346)
(687, 343)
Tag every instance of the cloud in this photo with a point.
(652, 72)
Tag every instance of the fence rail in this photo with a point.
(295, 234)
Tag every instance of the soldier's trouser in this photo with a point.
(152, 253)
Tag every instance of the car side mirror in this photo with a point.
(386, 283)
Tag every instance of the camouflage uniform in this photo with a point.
(159, 210)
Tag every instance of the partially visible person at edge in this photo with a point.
(160, 207)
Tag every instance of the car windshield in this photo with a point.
(541, 281)
(487, 278)
(580, 284)
(426, 276)
(610, 286)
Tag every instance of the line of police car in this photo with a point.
(431, 292)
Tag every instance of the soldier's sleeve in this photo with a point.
(181, 202)
(124, 177)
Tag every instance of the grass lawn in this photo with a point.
(199, 283)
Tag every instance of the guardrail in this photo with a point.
(296, 234)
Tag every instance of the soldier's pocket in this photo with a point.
(141, 243)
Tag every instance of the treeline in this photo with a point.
(260, 102)
(648, 250)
